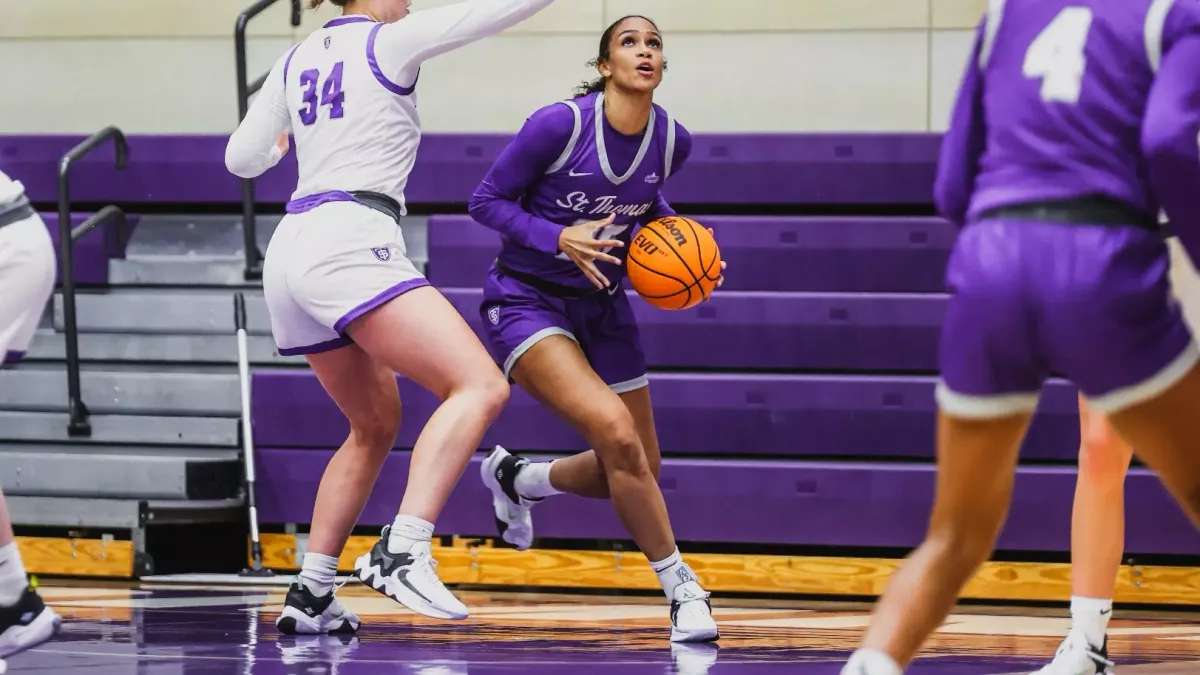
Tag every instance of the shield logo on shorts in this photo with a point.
(382, 253)
(494, 314)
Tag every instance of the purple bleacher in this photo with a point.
(759, 330)
(775, 502)
(92, 251)
(849, 254)
(714, 415)
(797, 169)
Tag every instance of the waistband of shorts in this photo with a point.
(1095, 210)
(374, 200)
(15, 212)
(561, 291)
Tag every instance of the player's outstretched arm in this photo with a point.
(401, 47)
(255, 146)
(496, 203)
(1171, 140)
(963, 143)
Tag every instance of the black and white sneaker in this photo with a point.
(409, 579)
(513, 520)
(1077, 657)
(27, 624)
(306, 614)
(691, 615)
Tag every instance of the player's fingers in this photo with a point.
(597, 255)
(724, 264)
(594, 274)
(604, 223)
(589, 270)
(605, 243)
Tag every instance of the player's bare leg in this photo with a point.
(558, 375)
(1165, 433)
(1097, 545)
(976, 468)
(421, 336)
(25, 621)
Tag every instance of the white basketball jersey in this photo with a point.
(354, 128)
(10, 189)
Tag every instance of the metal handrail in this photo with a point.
(78, 413)
(246, 89)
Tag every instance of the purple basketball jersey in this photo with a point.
(1070, 100)
(594, 172)
(1055, 103)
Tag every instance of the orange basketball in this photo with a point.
(674, 263)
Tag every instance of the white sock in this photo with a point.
(1090, 617)
(871, 662)
(672, 573)
(319, 573)
(13, 580)
(533, 481)
(407, 531)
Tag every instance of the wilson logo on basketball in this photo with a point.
(675, 232)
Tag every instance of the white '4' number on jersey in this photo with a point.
(1056, 55)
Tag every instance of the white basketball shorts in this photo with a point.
(27, 270)
(329, 266)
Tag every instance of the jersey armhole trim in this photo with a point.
(670, 159)
(378, 72)
(1156, 23)
(567, 152)
(287, 63)
(995, 14)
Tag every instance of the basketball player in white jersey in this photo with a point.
(342, 291)
(27, 271)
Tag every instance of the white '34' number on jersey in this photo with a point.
(1056, 55)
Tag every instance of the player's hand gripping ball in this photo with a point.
(674, 263)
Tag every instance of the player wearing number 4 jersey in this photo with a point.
(342, 291)
(566, 195)
(1075, 122)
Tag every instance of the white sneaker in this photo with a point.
(691, 615)
(1076, 657)
(306, 614)
(409, 579)
(513, 520)
(27, 624)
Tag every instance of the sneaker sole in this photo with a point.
(39, 631)
(294, 622)
(706, 635)
(500, 504)
(371, 578)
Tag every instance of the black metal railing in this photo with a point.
(78, 422)
(246, 89)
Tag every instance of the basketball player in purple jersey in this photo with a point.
(341, 290)
(1076, 120)
(566, 195)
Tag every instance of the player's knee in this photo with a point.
(617, 439)
(376, 432)
(1103, 457)
(964, 547)
(491, 393)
